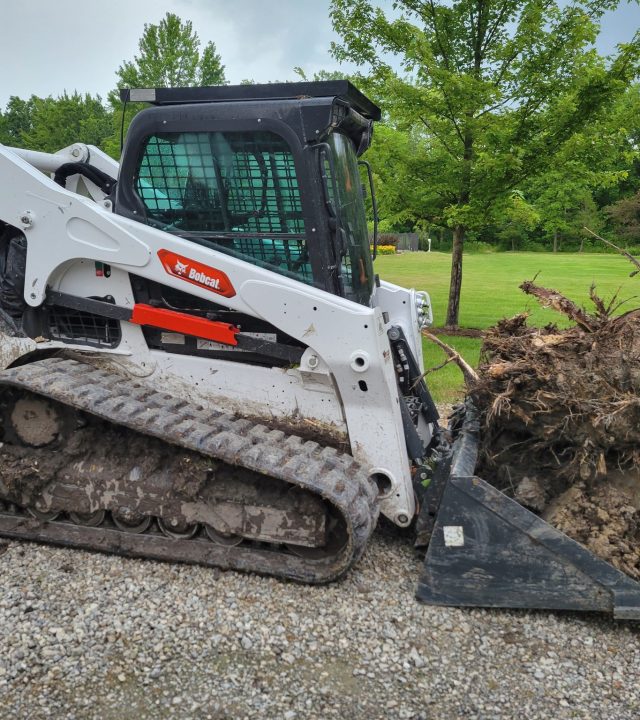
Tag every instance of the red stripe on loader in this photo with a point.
(185, 324)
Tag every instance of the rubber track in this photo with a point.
(118, 399)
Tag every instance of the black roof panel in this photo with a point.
(342, 89)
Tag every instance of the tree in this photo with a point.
(561, 204)
(59, 122)
(169, 56)
(518, 218)
(495, 86)
(625, 215)
(400, 179)
(16, 121)
(49, 124)
(623, 117)
(320, 75)
(593, 163)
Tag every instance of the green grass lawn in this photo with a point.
(447, 385)
(490, 292)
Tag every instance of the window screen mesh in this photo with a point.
(240, 187)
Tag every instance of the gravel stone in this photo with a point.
(100, 637)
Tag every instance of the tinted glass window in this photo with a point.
(345, 192)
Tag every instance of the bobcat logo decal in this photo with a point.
(197, 273)
(181, 268)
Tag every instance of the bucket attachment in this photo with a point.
(486, 550)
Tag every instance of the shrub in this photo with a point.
(385, 249)
(387, 239)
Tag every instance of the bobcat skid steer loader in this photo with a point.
(198, 363)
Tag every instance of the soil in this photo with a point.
(560, 414)
(605, 519)
(35, 422)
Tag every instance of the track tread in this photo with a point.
(237, 441)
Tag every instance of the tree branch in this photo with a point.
(478, 55)
(493, 107)
(431, 129)
(491, 33)
(445, 57)
(629, 257)
(473, 26)
(470, 375)
(505, 67)
(558, 302)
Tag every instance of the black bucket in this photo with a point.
(486, 550)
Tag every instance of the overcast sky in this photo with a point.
(49, 46)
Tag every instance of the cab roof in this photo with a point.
(340, 89)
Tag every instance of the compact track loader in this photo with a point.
(198, 363)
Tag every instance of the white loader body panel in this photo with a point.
(346, 380)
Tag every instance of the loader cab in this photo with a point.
(266, 173)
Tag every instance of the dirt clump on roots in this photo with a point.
(560, 419)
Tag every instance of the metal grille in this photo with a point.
(286, 254)
(231, 184)
(221, 182)
(83, 328)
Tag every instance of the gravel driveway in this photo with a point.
(93, 636)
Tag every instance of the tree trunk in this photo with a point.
(453, 308)
(555, 241)
(459, 232)
(581, 245)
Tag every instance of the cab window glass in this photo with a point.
(235, 191)
(346, 194)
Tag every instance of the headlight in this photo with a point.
(423, 309)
